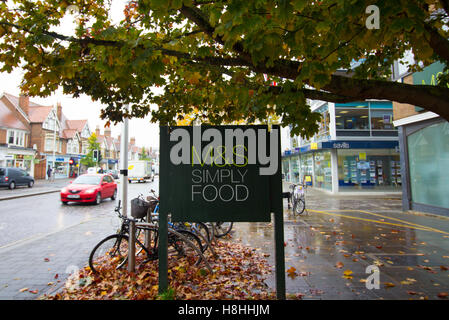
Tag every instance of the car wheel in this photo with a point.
(12, 185)
(114, 195)
(30, 184)
(98, 198)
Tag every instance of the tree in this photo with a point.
(88, 160)
(213, 55)
(144, 155)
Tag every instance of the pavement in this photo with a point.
(329, 248)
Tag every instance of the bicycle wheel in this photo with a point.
(299, 206)
(113, 247)
(181, 248)
(202, 231)
(222, 228)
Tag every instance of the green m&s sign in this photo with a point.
(220, 173)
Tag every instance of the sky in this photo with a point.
(146, 133)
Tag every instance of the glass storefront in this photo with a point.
(429, 162)
(323, 170)
(306, 163)
(61, 166)
(294, 162)
(369, 169)
(286, 169)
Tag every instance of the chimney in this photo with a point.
(59, 110)
(132, 141)
(107, 132)
(97, 131)
(24, 103)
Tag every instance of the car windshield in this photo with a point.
(87, 180)
(2, 172)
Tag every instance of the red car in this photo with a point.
(90, 188)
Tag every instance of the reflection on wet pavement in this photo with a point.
(331, 245)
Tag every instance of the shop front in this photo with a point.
(346, 166)
(112, 164)
(60, 165)
(18, 158)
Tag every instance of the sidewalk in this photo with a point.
(40, 187)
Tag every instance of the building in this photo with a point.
(355, 149)
(424, 148)
(108, 148)
(40, 136)
(15, 134)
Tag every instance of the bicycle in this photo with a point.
(298, 199)
(222, 228)
(199, 229)
(115, 246)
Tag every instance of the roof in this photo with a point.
(9, 119)
(76, 124)
(39, 113)
(69, 133)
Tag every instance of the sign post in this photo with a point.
(221, 173)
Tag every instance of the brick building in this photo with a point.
(39, 136)
(16, 148)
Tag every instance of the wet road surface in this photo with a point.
(329, 247)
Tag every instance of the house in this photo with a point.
(15, 134)
(44, 136)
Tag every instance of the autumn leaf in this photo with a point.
(347, 274)
(389, 284)
(339, 265)
(443, 295)
(292, 272)
(23, 290)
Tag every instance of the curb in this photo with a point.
(28, 194)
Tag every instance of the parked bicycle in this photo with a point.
(181, 243)
(222, 228)
(298, 199)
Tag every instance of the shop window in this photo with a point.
(369, 169)
(382, 120)
(428, 151)
(323, 170)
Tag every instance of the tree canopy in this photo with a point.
(88, 160)
(212, 56)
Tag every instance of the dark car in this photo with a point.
(13, 177)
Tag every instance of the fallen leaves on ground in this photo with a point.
(239, 273)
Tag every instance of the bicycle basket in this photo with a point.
(139, 208)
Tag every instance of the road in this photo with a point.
(41, 238)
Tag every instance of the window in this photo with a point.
(16, 138)
(49, 143)
(352, 118)
(382, 120)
